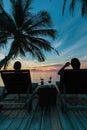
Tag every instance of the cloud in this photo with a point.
(57, 44)
(1, 56)
(71, 41)
(75, 48)
(84, 58)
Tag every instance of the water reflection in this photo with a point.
(35, 76)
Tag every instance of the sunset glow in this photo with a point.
(71, 40)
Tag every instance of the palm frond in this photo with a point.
(40, 56)
(6, 64)
(27, 30)
(27, 23)
(6, 18)
(84, 8)
(3, 37)
(37, 52)
(44, 32)
(26, 46)
(64, 5)
(72, 5)
(1, 4)
(27, 5)
(13, 1)
(3, 41)
(23, 48)
(17, 12)
(42, 44)
(41, 19)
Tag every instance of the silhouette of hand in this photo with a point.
(67, 64)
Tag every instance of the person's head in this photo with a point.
(17, 65)
(75, 63)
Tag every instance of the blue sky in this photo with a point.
(71, 40)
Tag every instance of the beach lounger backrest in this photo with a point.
(74, 81)
(17, 81)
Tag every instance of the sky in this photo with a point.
(71, 39)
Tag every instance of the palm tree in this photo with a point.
(26, 30)
(72, 6)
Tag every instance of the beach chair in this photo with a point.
(17, 82)
(72, 82)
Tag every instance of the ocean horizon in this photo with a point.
(37, 75)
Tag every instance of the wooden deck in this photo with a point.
(43, 118)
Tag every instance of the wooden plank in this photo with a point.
(8, 120)
(85, 113)
(16, 121)
(4, 115)
(65, 122)
(46, 122)
(12, 120)
(28, 126)
(28, 117)
(81, 119)
(36, 121)
(43, 118)
(74, 119)
(25, 121)
(55, 121)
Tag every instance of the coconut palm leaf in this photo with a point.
(43, 32)
(64, 5)
(5, 24)
(27, 6)
(17, 12)
(41, 43)
(41, 19)
(6, 20)
(84, 8)
(28, 31)
(73, 4)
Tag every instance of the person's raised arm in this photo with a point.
(61, 70)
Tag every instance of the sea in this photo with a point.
(37, 76)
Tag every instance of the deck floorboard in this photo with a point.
(43, 118)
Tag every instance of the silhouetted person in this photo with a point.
(75, 63)
(17, 65)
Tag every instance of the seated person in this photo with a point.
(17, 65)
(75, 63)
